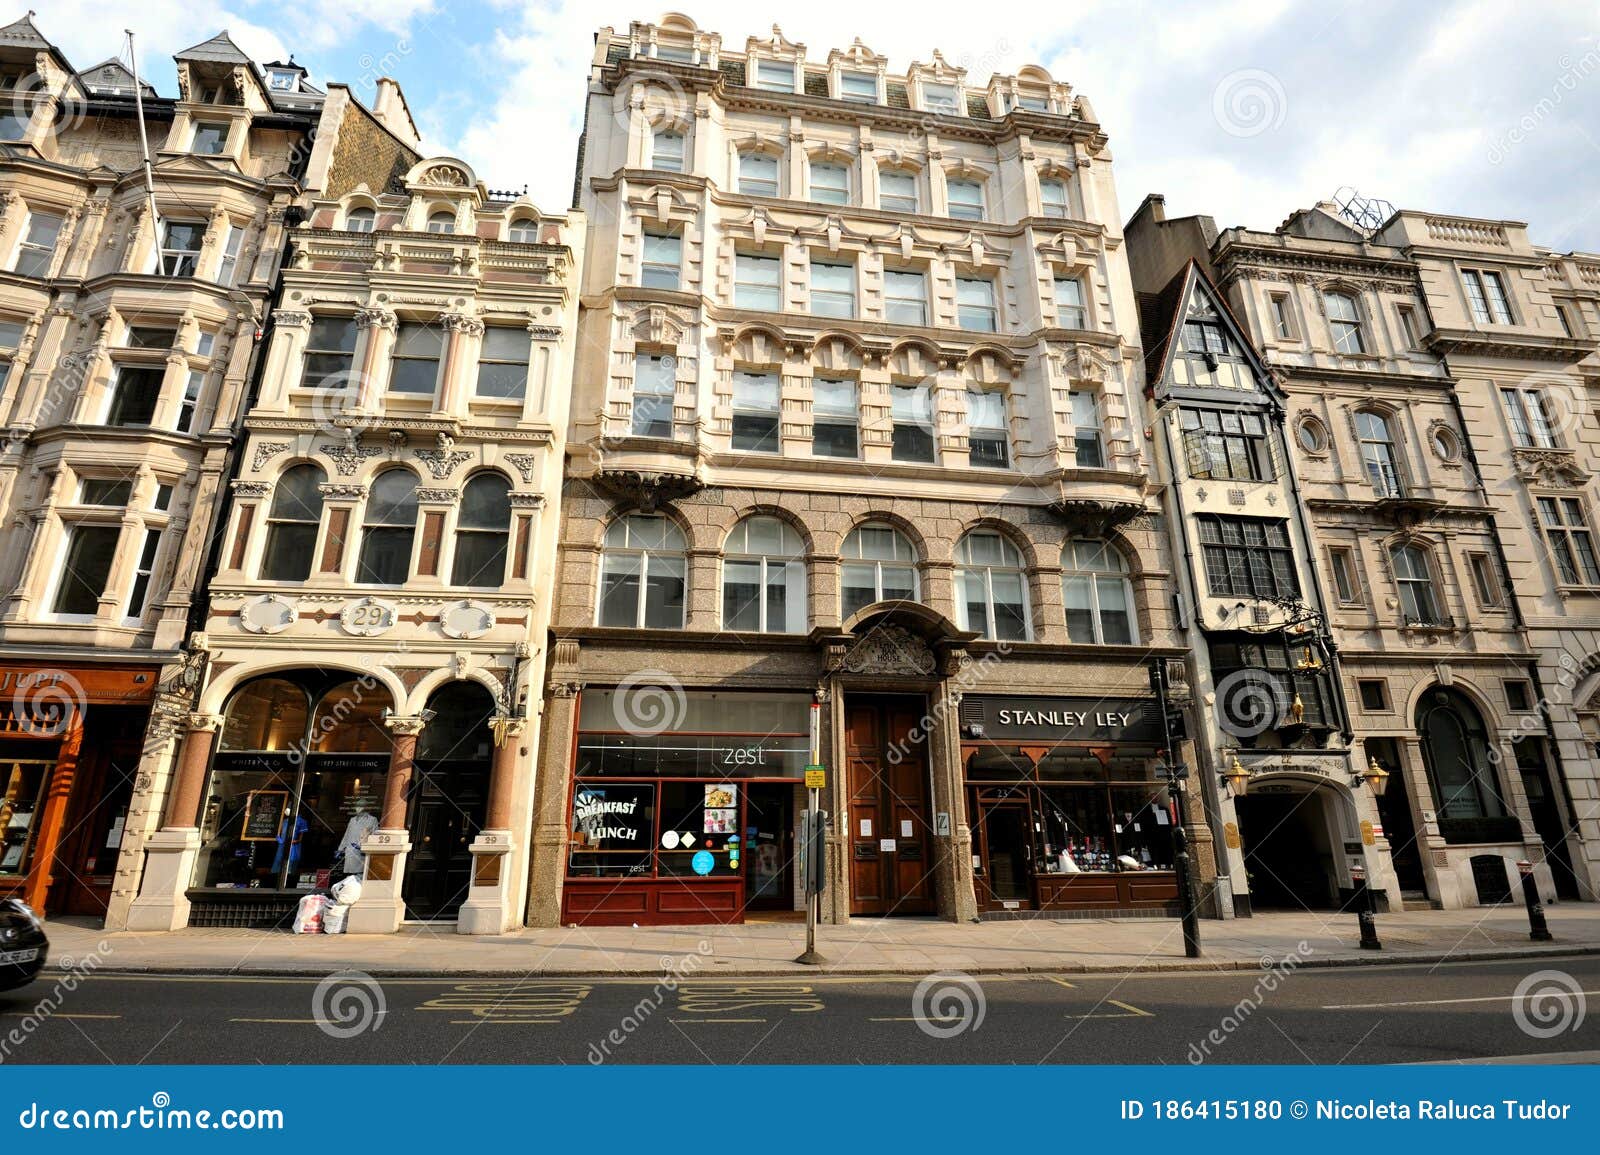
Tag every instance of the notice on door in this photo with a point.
(866, 828)
(886, 845)
(905, 828)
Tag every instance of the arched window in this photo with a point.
(1378, 454)
(292, 524)
(1419, 604)
(264, 714)
(758, 174)
(523, 231)
(483, 530)
(764, 578)
(388, 530)
(1344, 323)
(1098, 595)
(459, 729)
(360, 220)
(991, 593)
(442, 221)
(879, 564)
(349, 719)
(642, 573)
(1455, 748)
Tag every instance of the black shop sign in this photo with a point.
(1114, 721)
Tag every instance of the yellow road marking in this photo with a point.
(503, 1022)
(1064, 982)
(717, 1020)
(1128, 1007)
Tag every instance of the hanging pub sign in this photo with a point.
(1102, 721)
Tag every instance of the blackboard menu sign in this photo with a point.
(263, 815)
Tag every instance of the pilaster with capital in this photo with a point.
(465, 338)
(378, 326)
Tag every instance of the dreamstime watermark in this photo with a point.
(1249, 702)
(44, 702)
(1275, 972)
(968, 676)
(650, 702)
(675, 971)
(1567, 80)
(1249, 102)
(1548, 1003)
(949, 1003)
(76, 970)
(349, 1003)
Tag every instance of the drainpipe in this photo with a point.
(222, 510)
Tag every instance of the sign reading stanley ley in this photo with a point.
(1031, 719)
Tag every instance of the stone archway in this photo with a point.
(1292, 830)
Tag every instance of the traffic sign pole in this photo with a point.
(812, 835)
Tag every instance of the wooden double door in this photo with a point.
(890, 834)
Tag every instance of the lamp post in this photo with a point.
(1174, 775)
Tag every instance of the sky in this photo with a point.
(1244, 110)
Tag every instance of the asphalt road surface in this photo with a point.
(1387, 1014)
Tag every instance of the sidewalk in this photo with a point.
(862, 947)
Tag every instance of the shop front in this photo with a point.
(295, 784)
(69, 752)
(683, 804)
(1067, 815)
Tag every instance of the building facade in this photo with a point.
(128, 341)
(856, 479)
(1273, 747)
(375, 626)
(1439, 598)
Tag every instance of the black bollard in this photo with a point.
(1365, 910)
(1538, 929)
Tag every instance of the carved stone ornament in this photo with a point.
(442, 463)
(460, 323)
(890, 650)
(466, 619)
(444, 176)
(348, 458)
(265, 452)
(1095, 517)
(342, 491)
(251, 488)
(527, 500)
(647, 491)
(366, 618)
(1553, 467)
(523, 463)
(1084, 363)
(439, 496)
(291, 319)
(267, 614)
(376, 319)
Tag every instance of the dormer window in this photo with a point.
(443, 221)
(524, 231)
(281, 79)
(210, 138)
(858, 87)
(360, 220)
(677, 53)
(1031, 103)
(775, 75)
(940, 98)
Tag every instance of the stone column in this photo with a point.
(380, 326)
(548, 854)
(171, 852)
(956, 893)
(487, 909)
(381, 907)
(463, 336)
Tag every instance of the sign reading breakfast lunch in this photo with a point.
(1034, 719)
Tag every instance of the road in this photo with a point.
(1387, 1014)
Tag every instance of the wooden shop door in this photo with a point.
(890, 834)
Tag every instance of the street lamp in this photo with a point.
(1174, 775)
(1236, 778)
(1374, 776)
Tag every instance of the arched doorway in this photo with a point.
(1291, 832)
(449, 793)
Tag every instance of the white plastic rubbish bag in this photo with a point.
(346, 891)
(308, 915)
(334, 917)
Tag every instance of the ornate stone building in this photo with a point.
(377, 618)
(126, 346)
(1426, 362)
(857, 480)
